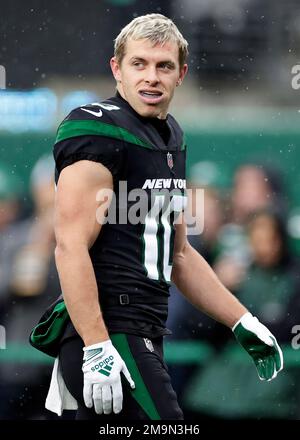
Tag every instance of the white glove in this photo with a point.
(102, 386)
(261, 344)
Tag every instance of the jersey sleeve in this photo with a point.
(80, 137)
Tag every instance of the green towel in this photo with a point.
(47, 334)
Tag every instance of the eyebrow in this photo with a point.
(171, 63)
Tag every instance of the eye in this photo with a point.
(166, 66)
(138, 64)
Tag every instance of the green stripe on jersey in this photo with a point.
(183, 145)
(140, 393)
(73, 128)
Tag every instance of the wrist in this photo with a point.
(245, 316)
(95, 335)
(97, 345)
(96, 339)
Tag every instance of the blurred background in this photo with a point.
(239, 106)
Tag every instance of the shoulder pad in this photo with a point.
(92, 119)
(95, 110)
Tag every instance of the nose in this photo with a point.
(151, 76)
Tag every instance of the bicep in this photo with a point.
(77, 202)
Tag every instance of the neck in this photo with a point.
(120, 90)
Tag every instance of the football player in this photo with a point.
(115, 275)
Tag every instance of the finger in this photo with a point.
(261, 369)
(97, 398)
(107, 399)
(270, 362)
(88, 394)
(270, 367)
(117, 396)
(128, 376)
(275, 370)
(278, 356)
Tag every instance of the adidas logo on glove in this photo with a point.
(107, 364)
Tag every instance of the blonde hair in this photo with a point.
(154, 27)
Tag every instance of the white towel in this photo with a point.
(59, 397)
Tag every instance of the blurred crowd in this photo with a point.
(28, 283)
(244, 239)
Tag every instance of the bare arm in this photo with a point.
(76, 229)
(199, 284)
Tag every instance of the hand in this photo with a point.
(102, 387)
(259, 342)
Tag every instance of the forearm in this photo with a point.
(200, 285)
(78, 283)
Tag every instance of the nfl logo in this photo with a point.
(149, 344)
(170, 160)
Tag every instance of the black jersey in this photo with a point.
(132, 260)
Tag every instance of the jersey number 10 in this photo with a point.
(158, 236)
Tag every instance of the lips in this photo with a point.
(150, 96)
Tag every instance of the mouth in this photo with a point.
(151, 97)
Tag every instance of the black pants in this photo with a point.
(153, 397)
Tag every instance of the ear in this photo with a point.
(182, 73)
(115, 68)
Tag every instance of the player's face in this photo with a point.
(148, 75)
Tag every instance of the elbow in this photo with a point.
(177, 272)
(67, 248)
(60, 250)
(181, 262)
(63, 245)
(181, 256)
